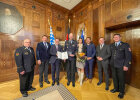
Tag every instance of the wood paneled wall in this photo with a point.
(35, 25)
(103, 18)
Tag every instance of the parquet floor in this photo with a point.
(10, 90)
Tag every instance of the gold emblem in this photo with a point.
(129, 62)
(26, 53)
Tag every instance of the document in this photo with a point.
(62, 55)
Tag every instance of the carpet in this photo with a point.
(50, 93)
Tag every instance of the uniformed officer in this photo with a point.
(90, 53)
(25, 61)
(71, 48)
(120, 62)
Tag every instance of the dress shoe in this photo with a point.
(121, 95)
(90, 80)
(114, 90)
(57, 83)
(25, 94)
(86, 79)
(48, 82)
(68, 83)
(53, 83)
(32, 89)
(73, 84)
(107, 88)
(41, 85)
(99, 83)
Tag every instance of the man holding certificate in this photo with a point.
(55, 61)
(71, 48)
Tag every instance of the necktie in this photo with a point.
(116, 44)
(57, 47)
(101, 46)
(46, 45)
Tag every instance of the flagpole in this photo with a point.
(69, 22)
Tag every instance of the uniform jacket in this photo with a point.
(120, 55)
(25, 60)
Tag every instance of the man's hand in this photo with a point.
(22, 72)
(71, 55)
(100, 58)
(39, 62)
(56, 54)
(88, 58)
(125, 68)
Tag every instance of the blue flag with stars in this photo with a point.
(52, 39)
(82, 35)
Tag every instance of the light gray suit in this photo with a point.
(105, 53)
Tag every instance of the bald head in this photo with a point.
(27, 42)
(71, 36)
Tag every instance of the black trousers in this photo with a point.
(55, 67)
(43, 69)
(71, 70)
(103, 66)
(118, 76)
(26, 81)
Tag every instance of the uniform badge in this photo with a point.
(129, 62)
(26, 53)
(17, 54)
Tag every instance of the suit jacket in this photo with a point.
(43, 53)
(25, 60)
(105, 53)
(53, 52)
(71, 47)
(120, 55)
(90, 52)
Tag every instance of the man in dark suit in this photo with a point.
(25, 61)
(102, 54)
(55, 62)
(43, 56)
(120, 62)
(90, 54)
(71, 48)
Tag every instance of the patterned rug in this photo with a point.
(51, 93)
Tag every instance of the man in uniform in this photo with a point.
(90, 53)
(71, 48)
(25, 61)
(43, 57)
(120, 62)
(103, 54)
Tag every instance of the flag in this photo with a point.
(82, 35)
(52, 39)
(67, 36)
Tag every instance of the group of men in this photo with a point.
(117, 54)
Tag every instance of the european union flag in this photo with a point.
(52, 39)
(82, 35)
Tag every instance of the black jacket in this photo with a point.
(120, 55)
(25, 60)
